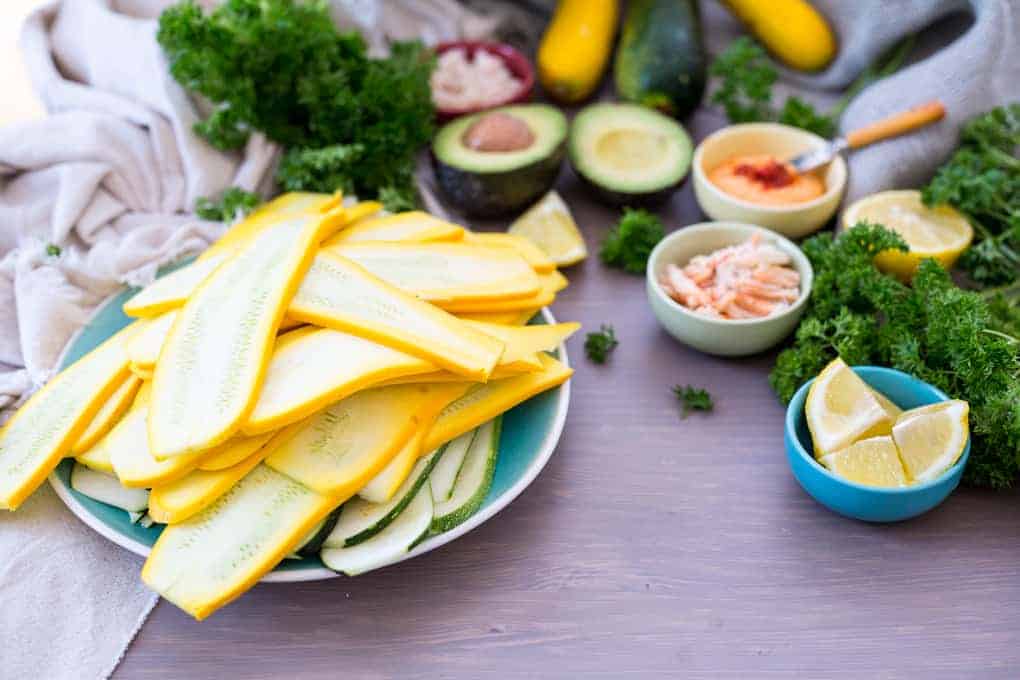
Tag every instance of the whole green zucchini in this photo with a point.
(660, 62)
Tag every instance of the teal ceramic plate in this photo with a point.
(529, 436)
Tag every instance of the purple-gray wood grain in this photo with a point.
(649, 547)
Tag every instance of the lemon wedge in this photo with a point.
(939, 232)
(841, 409)
(871, 462)
(932, 438)
(549, 225)
(891, 409)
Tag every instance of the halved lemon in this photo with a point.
(939, 232)
(841, 409)
(871, 462)
(550, 226)
(932, 438)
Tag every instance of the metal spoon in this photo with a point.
(893, 126)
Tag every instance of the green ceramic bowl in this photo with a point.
(723, 337)
(529, 435)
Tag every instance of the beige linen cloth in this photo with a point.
(111, 175)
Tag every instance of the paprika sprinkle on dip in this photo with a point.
(765, 180)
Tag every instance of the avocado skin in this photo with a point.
(631, 200)
(660, 61)
(498, 193)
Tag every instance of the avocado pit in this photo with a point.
(498, 132)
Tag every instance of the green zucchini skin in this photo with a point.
(660, 61)
(470, 507)
(398, 508)
(312, 547)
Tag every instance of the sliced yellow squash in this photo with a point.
(339, 449)
(485, 402)
(208, 560)
(47, 425)
(143, 374)
(108, 415)
(178, 500)
(96, 458)
(408, 226)
(339, 294)
(143, 347)
(522, 354)
(511, 318)
(312, 368)
(539, 261)
(281, 208)
(171, 291)
(213, 360)
(127, 444)
(524, 342)
(440, 272)
(552, 283)
(233, 451)
(382, 487)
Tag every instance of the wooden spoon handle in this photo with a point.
(896, 125)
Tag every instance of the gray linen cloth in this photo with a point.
(111, 176)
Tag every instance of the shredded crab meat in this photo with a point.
(460, 82)
(751, 280)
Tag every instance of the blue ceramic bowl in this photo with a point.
(868, 503)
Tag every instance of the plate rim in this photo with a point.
(547, 448)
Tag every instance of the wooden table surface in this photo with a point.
(649, 547)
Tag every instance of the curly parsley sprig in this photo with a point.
(961, 341)
(281, 67)
(600, 344)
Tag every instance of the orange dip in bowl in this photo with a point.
(765, 180)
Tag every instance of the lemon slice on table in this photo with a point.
(932, 438)
(939, 232)
(841, 409)
(871, 462)
(549, 225)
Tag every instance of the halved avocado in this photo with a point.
(629, 154)
(489, 179)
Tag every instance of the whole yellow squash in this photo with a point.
(792, 30)
(575, 48)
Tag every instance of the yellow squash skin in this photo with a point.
(792, 30)
(575, 48)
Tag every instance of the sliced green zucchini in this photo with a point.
(360, 520)
(313, 545)
(388, 545)
(473, 480)
(444, 474)
(107, 489)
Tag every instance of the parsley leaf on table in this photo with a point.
(628, 246)
(693, 399)
(53, 250)
(281, 67)
(233, 204)
(600, 344)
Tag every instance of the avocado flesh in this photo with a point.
(628, 153)
(492, 183)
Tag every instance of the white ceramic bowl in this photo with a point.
(723, 337)
(796, 220)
